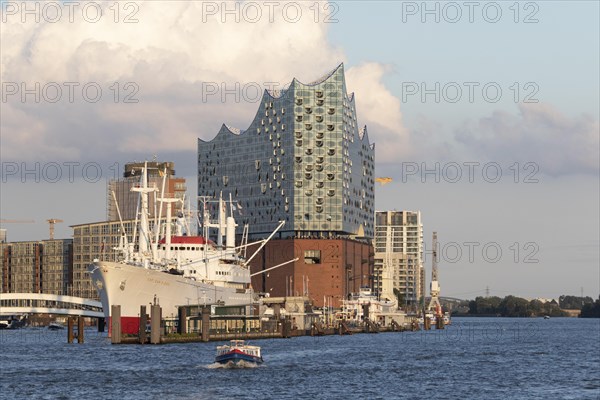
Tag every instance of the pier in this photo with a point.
(198, 325)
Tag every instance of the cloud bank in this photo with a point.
(155, 75)
(539, 133)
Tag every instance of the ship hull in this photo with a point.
(131, 287)
(237, 357)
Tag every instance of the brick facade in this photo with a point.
(326, 268)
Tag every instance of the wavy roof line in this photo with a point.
(275, 93)
(233, 129)
(324, 77)
(278, 93)
(363, 135)
(361, 132)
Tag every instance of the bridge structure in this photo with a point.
(42, 303)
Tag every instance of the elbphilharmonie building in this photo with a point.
(304, 160)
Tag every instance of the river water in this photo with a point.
(475, 358)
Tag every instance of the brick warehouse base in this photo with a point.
(326, 268)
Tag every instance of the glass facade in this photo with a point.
(303, 160)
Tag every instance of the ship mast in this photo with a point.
(169, 202)
(157, 223)
(123, 244)
(144, 229)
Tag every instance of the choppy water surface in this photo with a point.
(475, 358)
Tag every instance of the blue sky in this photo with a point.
(550, 210)
(559, 53)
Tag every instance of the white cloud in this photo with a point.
(168, 54)
(539, 133)
(380, 110)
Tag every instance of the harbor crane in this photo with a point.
(51, 222)
(434, 303)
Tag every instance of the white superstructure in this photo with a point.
(174, 270)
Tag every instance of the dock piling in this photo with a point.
(70, 335)
(439, 323)
(286, 327)
(143, 322)
(115, 331)
(155, 312)
(80, 336)
(205, 323)
(426, 323)
(182, 325)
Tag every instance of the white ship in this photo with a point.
(377, 308)
(174, 270)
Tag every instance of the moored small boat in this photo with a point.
(237, 352)
(55, 326)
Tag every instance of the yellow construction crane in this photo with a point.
(383, 180)
(53, 221)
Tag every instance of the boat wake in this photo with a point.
(232, 365)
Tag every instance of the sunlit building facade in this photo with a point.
(37, 266)
(399, 247)
(303, 160)
(121, 200)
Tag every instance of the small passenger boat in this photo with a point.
(237, 351)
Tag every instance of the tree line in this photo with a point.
(591, 310)
(574, 302)
(512, 306)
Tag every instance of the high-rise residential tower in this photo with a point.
(128, 201)
(399, 254)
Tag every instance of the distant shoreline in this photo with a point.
(508, 316)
